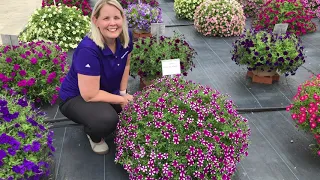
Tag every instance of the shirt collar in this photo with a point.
(107, 51)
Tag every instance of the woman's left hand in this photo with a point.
(129, 97)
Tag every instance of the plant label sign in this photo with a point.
(171, 67)
(280, 28)
(9, 40)
(157, 29)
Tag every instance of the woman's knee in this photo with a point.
(104, 121)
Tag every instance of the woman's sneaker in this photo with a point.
(99, 148)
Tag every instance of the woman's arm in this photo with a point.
(89, 87)
(125, 77)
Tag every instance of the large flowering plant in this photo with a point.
(314, 5)
(305, 108)
(185, 8)
(219, 18)
(140, 16)
(180, 130)
(60, 24)
(83, 5)
(126, 3)
(251, 7)
(35, 69)
(260, 50)
(292, 12)
(147, 55)
(26, 144)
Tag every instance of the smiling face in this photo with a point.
(109, 22)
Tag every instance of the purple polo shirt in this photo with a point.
(89, 59)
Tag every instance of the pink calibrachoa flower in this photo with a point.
(83, 5)
(25, 73)
(209, 148)
(220, 18)
(305, 108)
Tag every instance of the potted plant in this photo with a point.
(82, 5)
(147, 55)
(305, 109)
(251, 7)
(61, 24)
(219, 18)
(176, 129)
(140, 16)
(185, 8)
(34, 69)
(292, 12)
(266, 54)
(126, 3)
(26, 143)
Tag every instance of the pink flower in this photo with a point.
(43, 72)
(16, 67)
(22, 83)
(8, 60)
(33, 60)
(23, 73)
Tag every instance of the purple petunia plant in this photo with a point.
(125, 3)
(26, 143)
(34, 69)
(140, 16)
(176, 129)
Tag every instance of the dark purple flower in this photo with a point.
(8, 60)
(35, 146)
(3, 154)
(21, 134)
(23, 102)
(27, 148)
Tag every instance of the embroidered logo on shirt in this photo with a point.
(124, 55)
(88, 66)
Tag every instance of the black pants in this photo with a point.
(99, 118)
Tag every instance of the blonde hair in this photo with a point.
(95, 33)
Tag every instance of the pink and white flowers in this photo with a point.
(219, 18)
(179, 130)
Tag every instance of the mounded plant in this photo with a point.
(305, 108)
(140, 16)
(314, 5)
(185, 8)
(251, 7)
(126, 3)
(35, 69)
(292, 12)
(61, 24)
(219, 18)
(265, 51)
(83, 5)
(176, 129)
(147, 55)
(25, 141)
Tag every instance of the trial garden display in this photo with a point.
(63, 25)
(305, 108)
(26, 143)
(83, 5)
(185, 8)
(219, 18)
(35, 69)
(125, 3)
(147, 55)
(285, 11)
(140, 16)
(265, 51)
(176, 129)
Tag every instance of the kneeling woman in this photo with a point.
(94, 90)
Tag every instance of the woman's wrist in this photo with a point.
(122, 93)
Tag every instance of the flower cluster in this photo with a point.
(176, 129)
(126, 3)
(314, 5)
(140, 16)
(260, 50)
(84, 5)
(35, 69)
(26, 143)
(185, 8)
(219, 18)
(60, 24)
(305, 108)
(147, 55)
(251, 7)
(292, 12)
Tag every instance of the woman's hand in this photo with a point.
(126, 99)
